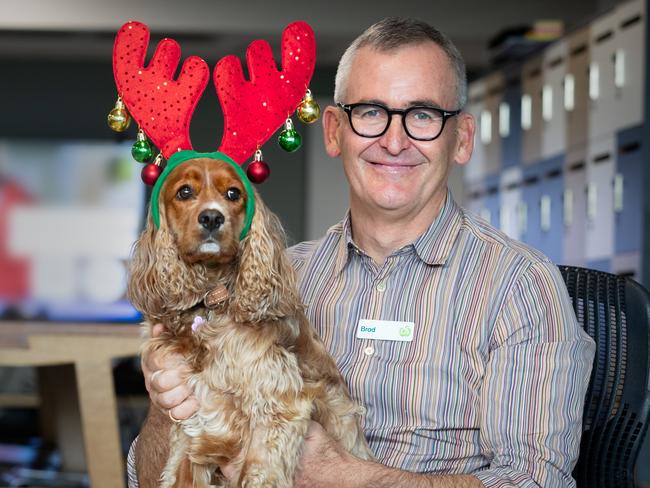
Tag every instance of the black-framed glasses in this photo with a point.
(422, 123)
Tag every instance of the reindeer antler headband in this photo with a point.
(253, 110)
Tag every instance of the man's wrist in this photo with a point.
(368, 474)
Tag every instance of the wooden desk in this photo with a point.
(77, 391)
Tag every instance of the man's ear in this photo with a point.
(464, 137)
(332, 126)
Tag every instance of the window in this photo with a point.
(504, 119)
(619, 68)
(545, 212)
(486, 127)
(592, 201)
(618, 192)
(547, 102)
(594, 81)
(569, 92)
(522, 217)
(567, 203)
(504, 223)
(526, 112)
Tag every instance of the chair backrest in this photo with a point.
(615, 312)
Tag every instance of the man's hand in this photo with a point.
(323, 462)
(164, 378)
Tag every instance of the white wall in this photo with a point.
(326, 192)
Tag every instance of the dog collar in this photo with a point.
(179, 158)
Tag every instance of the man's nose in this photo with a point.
(211, 219)
(395, 139)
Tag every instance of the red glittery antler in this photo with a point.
(162, 106)
(254, 110)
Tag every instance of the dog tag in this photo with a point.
(216, 297)
(385, 330)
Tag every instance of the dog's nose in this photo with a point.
(211, 219)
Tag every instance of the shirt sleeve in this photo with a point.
(131, 473)
(534, 385)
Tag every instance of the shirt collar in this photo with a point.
(346, 245)
(432, 247)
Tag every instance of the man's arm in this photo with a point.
(152, 448)
(169, 394)
(324, 463)
(534, 384)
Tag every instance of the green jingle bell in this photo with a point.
(289, 139)
(142, 151)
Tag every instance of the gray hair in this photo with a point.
(393, 33)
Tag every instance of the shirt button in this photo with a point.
(363, 410)
(381, 286)
(369, 351)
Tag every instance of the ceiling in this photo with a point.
(84, 29)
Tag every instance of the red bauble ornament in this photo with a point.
(150, 173)
(258, 171)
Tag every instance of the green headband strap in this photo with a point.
(182, 156)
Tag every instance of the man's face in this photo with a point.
(393, 173)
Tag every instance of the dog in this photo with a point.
(258, 368)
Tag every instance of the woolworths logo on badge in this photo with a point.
(405, 331)
(385, 330)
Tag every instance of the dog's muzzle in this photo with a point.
(211, 219)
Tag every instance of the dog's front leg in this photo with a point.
(177, 471)
(274, 453)
(184, 468)
(340, 416)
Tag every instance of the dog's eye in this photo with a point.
(184, 193)
(233, 194)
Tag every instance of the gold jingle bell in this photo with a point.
(118, 118)
(308, 110)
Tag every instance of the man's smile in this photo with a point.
(392, 167)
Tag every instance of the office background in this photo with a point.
(568, 179)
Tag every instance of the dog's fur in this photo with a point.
(259, 371)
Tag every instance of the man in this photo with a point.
(486, 384)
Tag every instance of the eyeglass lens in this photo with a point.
(373, 120)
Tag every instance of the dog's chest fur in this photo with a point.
(238, 372)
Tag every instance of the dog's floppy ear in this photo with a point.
(265, 283)
(159, 280)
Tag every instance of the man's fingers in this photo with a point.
(153, 375)
(171, 398)
(163, 380)
(163, 372)
(185, 410)
(157, 329)
(150, 362)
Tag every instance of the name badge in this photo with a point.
(385, 330)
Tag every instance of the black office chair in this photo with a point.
(615, 312)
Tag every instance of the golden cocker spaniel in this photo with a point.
(258, 368)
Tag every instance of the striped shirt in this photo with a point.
(494, 379)
(492, 383)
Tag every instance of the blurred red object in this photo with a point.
(14, 271)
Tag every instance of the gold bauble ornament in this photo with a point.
(118, 118)
(308, 110)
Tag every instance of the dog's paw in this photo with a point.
(256, 477)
